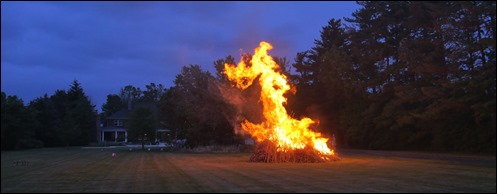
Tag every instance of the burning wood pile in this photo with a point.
(280, 138)
(266, 151)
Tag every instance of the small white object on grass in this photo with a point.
(148, 149)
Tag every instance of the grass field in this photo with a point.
(94, 170)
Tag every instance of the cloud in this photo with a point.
(107, 45)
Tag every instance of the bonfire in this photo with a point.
(279, 138)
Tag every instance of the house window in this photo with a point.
(118, 123)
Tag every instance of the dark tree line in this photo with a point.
(404, 75)
(67, 118)
(396, 75)
(130, 94)
(194, 109)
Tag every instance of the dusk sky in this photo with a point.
(108, 45)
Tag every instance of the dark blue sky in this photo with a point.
(108, 45)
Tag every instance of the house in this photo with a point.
(112, 128)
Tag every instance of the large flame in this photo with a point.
(278, 127)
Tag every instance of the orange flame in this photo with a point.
(278, 127)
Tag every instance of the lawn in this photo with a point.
(95, 170)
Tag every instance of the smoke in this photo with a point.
(232, 97)
(242, 104)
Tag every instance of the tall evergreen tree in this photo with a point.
(406, 75)
(83, 114)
